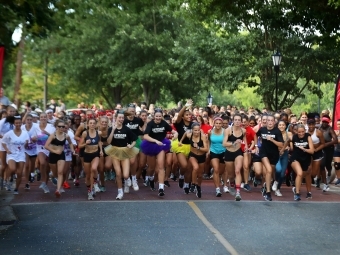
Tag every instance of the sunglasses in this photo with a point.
(61, 126)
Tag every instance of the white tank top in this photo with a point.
(315, 139)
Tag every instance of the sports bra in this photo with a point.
(233, 138)
(314, 137)
(57, 142)
(200, 142)
(94, 140)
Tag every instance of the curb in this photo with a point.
(7, 217)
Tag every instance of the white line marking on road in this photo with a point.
(212, 229)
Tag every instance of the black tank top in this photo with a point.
(233, 138)
(199, 144)
(57, 142)
(94, 140)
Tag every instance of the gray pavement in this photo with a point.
(173, 228)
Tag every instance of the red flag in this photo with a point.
(2, 55)
(336, 106)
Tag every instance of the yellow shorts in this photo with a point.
(185, 148)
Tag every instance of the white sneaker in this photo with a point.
(126, 189)
(61, 190)
(70, 176)
(135, 186)
(89, 195)
(325, 188)
(278, 193)
(225, 189)
(128, 182)
(96, 187)
(274, 186)
(45, 188)
(119, 196)
(242, 185)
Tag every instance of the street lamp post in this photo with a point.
(209, 99)
(276, 61)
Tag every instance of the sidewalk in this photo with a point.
(7, 216)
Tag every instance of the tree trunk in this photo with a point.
(18, 72)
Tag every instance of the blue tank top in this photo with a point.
(216, 142)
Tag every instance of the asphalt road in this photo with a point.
(173, 227)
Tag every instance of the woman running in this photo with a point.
(182, 125)
(318, 143)
(282, 164)
(92, 146)
(68, 155)
(14, 143)
(216, 137)
(105, 162)
(6, 124)
(301, 159)
(44, 130)
(55, 145)
(155, 146)
(31, 149)
(234, 136)
(122, 149)
(271, 142)
(197, 156)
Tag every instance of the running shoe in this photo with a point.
(152, 185)
(135, 186)
(66, 185)
(161, 192)
(192, 188)
(27, 186)
(186, 190)
(309, 195)
(54, 181)
(255, 183)
(225, 189)
(112, 176)
(180, 183)
(126, 189)
(318, 180)
(242, 185)
(247, 187)
(57, 194)
(337, 182)
(173, 177)
(325, 188)
(76, 183)
(31, 178)
(198, 192)
(274, 186)
(15, 192)
(89, 195)
(166, 183)
(9, 186)
(263, 191)
(106, 176)
(268, 197)
(238, 196)
(119, 196)
(62, 190)
(278, 193)
(206, 177)
(146, 183)
(218, 192)
(297, 197)
(102, 189)
(294, 190)
(96, 187)
(128, 182)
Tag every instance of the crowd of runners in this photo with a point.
(236, 148)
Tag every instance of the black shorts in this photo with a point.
(32, 156)
(53, 158)
(305, 163)
(200, 158)
(231, 156)
(81, 152)
(272, 157)
(88, 157)
(220, 156)
(336, 154)
(256, 158)
(317, 155)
